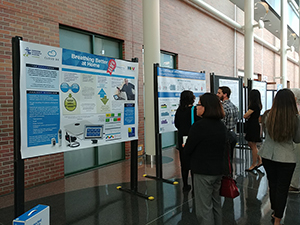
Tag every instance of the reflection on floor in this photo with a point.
(92, 198)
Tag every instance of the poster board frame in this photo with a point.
(262, 87)
(234, 83)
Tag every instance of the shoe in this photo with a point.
(259, 166)
(294, 190)
(186, 188)
(250, 170)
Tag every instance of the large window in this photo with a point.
(168, 60)
(82, 41)
(91, 43)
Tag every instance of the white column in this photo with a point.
(283, 43)
(151, 31)
(249, 40)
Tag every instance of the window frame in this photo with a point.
(92, 39)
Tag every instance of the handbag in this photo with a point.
(228, 185)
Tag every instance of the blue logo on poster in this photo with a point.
(52, 53)
(131, 131)
(64, 87)
(75, 88)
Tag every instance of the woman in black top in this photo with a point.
(253, 127)
(183, 123)
(206, 148)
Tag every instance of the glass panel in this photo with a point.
(84, 159)
(167, 139)
(78, 160)
(75, 41)
(167, 60)
(275, 4)
(110, 153)
(107, 47)
(293, 20)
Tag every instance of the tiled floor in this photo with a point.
(92, 197)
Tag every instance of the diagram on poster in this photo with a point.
(73, 100)
(171, 83)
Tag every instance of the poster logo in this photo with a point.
(131, 131)
(32, 52)
(52, 53)
(111, 66)
(130, 68)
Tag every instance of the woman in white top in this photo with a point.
(278, 150)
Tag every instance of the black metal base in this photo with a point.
(161, 179)
(148, 197)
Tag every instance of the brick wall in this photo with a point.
(201, 42)
(38, 22)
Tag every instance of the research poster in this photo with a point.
(235, 90)
(262, 87)
(72, 100)
(171, 83)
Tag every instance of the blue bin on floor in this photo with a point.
(39, 215)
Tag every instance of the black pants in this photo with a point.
(232, 139)
(279, 176)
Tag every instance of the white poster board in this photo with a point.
(73, 100)
(262, 87)
(171, 83)
(235, 90)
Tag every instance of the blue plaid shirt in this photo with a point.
(231, 114)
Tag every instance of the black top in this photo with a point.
(252, 125)
(206, 147)
(183, 122)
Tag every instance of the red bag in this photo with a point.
(228, 187)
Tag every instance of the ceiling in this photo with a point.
(272, 21)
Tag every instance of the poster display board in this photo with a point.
(262, 87)
(270, 97)
(235, 85)
(171, 83)
(73, 100)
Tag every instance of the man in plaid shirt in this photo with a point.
(231, 115)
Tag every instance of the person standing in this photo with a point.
(184, 116)
(295, 182)
(253, 128)
(206, 148)
(231, 115)
(128, 89)
(278, 150)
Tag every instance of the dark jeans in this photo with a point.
(279, 176)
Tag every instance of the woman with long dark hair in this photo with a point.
(183, 122)
(206, 146)
(253, 127)
(278, 149)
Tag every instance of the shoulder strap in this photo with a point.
(192, 114)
